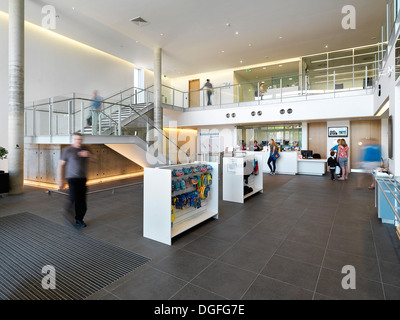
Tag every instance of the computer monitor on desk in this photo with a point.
(306, 154)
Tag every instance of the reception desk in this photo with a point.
(315, 167)
(290, 164)
(286, 164)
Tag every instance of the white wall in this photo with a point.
(339, 108)
(227, 136)
(331, 142)
(390, 91)
(56, 65)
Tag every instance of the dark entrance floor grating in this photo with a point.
(83, 265)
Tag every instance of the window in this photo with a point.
(138, 83)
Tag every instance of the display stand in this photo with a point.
(159, 223)
(237, 176)
(387, 200)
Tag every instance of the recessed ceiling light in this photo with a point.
(161, 34)
(280, 37)
(241, 61)
(237, 32)
(249, 44)
(280, 65)
(326, 46)
(222, 51)
(228, 24)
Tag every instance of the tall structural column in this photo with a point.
(158, 114)
(16, 96)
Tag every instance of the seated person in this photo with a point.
(257, 147)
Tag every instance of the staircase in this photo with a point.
(108, 124)
(123, 125)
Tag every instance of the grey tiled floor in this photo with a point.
(289, 242)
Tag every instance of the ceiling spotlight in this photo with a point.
(281, 37)
(241, 61)
(237, 32)
(249, 44)
(326, 46)
(161, 34)
(228, 24)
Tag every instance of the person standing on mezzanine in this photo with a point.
(209, 89)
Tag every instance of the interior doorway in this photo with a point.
(194, 93)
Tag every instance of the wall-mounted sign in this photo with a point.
(339, 132)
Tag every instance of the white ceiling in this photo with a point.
(196, 32)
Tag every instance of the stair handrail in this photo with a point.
(132, 95)
(154, 127)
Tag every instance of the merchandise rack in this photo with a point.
(157, 222)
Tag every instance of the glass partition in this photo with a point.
(287, 136)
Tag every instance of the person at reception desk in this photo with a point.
(343, 156)
(256, 146)
(336, 149)
(273, 151)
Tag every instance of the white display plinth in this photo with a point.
(157, 194)
(234, 172)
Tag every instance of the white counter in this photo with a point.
(289, 163)
(285, 164)
(311, 166)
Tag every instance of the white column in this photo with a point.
(158, 114)
(396, 132)
(16, 96)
